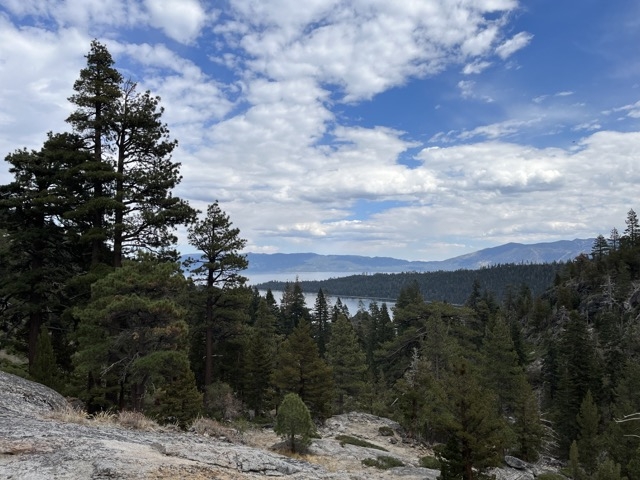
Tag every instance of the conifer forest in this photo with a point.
(93, 298)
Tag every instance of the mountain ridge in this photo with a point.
(544, 252)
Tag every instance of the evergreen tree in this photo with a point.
(438, 348)
(476, 433)
(300, 370)
(44, 368)
(614, 240)
(623, 438)
(608, 470)
(348, 363)
(600, 248)
(339, 308)
(260, 358)
(408, 308)
(293, 308)
(527, 425)
(218, 268)
(502, 370)
(173, 396)
(294, 422)
(321, 325)
(577, 473)
(38, 257)
(588, 440)
(146, 212)
(579, 372)
(97, 91)
(125, 330)
(631, 237)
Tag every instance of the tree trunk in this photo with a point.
(208, 360)
(35, 322)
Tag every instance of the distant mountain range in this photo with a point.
(560, 251)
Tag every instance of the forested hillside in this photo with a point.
(452, 287)
(94, 304)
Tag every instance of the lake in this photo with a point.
(352, 303)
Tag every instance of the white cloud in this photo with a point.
(475, 67)
(632, 110)
(262, 126)
(86, 15)
(515, 43)
(365, 47)
(182, 20)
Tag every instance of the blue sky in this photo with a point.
(418, 129)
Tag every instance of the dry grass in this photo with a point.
(69, 414)
(213, 428)
(136, 420)
(126, 419)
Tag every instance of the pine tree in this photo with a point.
(579, 372)
(348, 363)
(614, 239)
(600, 248)
(260, 358)
(588, 440)
(45, 368)
(502, 370)
(631, 237)
(608, 470)
(218, 267)
(321, 322)
(146, 212)
(527, 425)
(173, 396)
(339, 308)
(293, 308)
(294, 422)
(476, 433)
(300, 370)
(97, 91)
(32, 208)
(131, 321)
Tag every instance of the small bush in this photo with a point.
(213, 428)
(348, 439)
(221, 402)
(69, 414)
(383, 462)
(294, 423)
(551, 476)
(430, 462)
(136, 420)
(385, 431)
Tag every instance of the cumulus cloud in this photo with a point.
(181, 20)
(260, 101)
(364, 47)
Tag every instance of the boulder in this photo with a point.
(515, 462)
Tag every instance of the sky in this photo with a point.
(415, 129)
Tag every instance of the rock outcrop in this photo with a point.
(38, 442)
(35, 445)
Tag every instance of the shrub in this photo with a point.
(68, 414)
(551, 476)
(294, 422)
(136, 420)
(221, 403)
(348, 439)
(430, 462)
(383, 462)
(213, 428)
(385, 431)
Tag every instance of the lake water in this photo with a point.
(352, 303)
